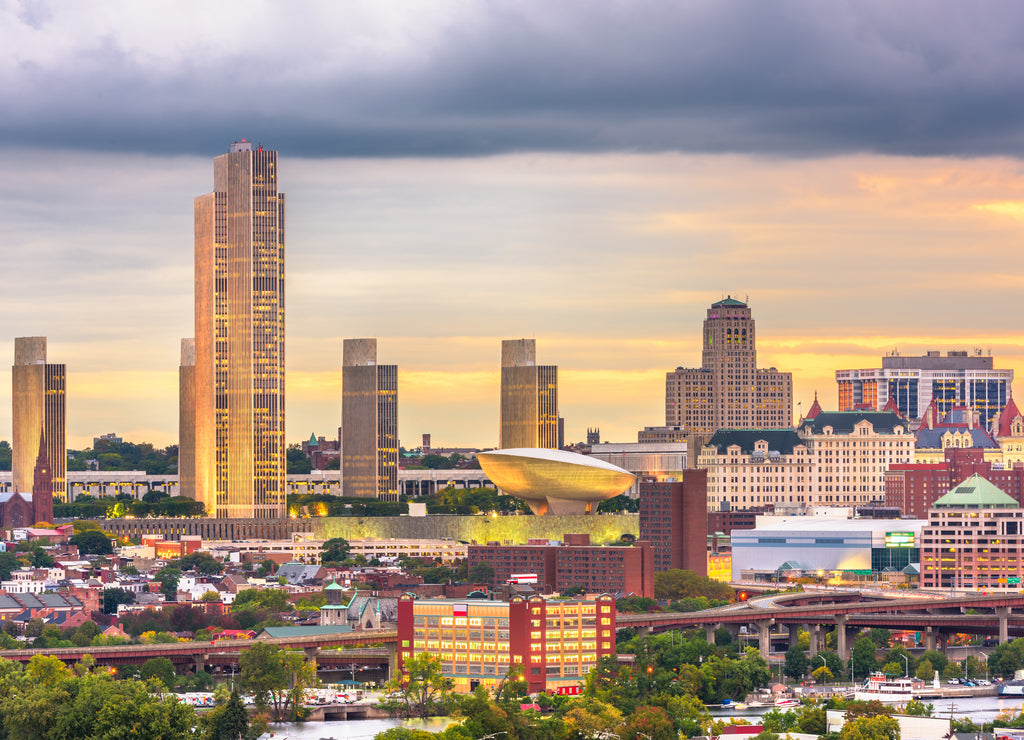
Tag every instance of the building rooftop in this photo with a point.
(843, 422)
(729, 302)
(976, 493)
(782, 441)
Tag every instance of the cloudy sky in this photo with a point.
(590, 174)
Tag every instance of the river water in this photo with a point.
(980, 709)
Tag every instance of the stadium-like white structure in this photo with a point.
(555, 481)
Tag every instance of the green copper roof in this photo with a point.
(729, 302)
(312, 440)
(334, 587)
(976, 493)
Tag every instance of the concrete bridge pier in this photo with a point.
(929, 638)
(201, 661)
(1003, 612)
(709, 632)
(814, 630)
(311, 653)
(794, 634)
(764, 636)
(844, 636)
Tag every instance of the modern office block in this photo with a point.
(529, 398)
(240, 338)
(728, 390)
(38, 408)
(187, 419)
(369, 423)
(912, 384)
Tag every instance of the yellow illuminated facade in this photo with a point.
(369, 423)
(555, 481)
(554, 643)
(529, 398)
(38, 408)
(240, 338)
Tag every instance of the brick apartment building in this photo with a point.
(674, 520)
(914, 487)
(572, 562)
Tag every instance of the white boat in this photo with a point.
(879, 687)
(787, 703)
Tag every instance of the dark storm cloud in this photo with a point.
(788, 78)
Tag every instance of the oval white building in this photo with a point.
(555, 481)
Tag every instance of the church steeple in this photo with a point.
(42, 485)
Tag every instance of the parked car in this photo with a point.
(953, 682)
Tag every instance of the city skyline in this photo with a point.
(463, 175)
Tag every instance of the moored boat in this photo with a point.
(879, 687)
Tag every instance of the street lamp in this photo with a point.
(906, 662)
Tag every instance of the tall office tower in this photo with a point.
(187, 419)
(529, 398)
(239, 338)
(38, 409)
(369, 423)
(728, 390)
(912, 383)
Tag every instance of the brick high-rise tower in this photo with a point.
(728, 390)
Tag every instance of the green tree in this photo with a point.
(831, 660)
(201, 562)
(422, 687)
(649, 723)
(275, 678)
(334, 550)
(230, 722)
(822, 674)
(85, 633)
(590, 718)
(870, 728)
(297, 461)
(161, 669)
(168, 578)
(270, 599)
(482, 573)
(1007, 658)
(796, 663)
(893, 669)
(8, 562)
(678, 584)
(112, 597)
(938, 659)
(92, 542)
(925, 670)
(862, 659)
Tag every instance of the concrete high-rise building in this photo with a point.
(912, 384)
(728, 390)
(529, 398)
(369, 423)
(187, 419)
(240, 338)
(38, 409)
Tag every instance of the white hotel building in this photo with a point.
(831, 459)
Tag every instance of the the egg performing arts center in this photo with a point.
(555, 481)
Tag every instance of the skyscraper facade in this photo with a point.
(187, 419)
(912, 383)
(369, 423)
(529, 398)
(38, 395)
(728, 390)
(240, 338)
